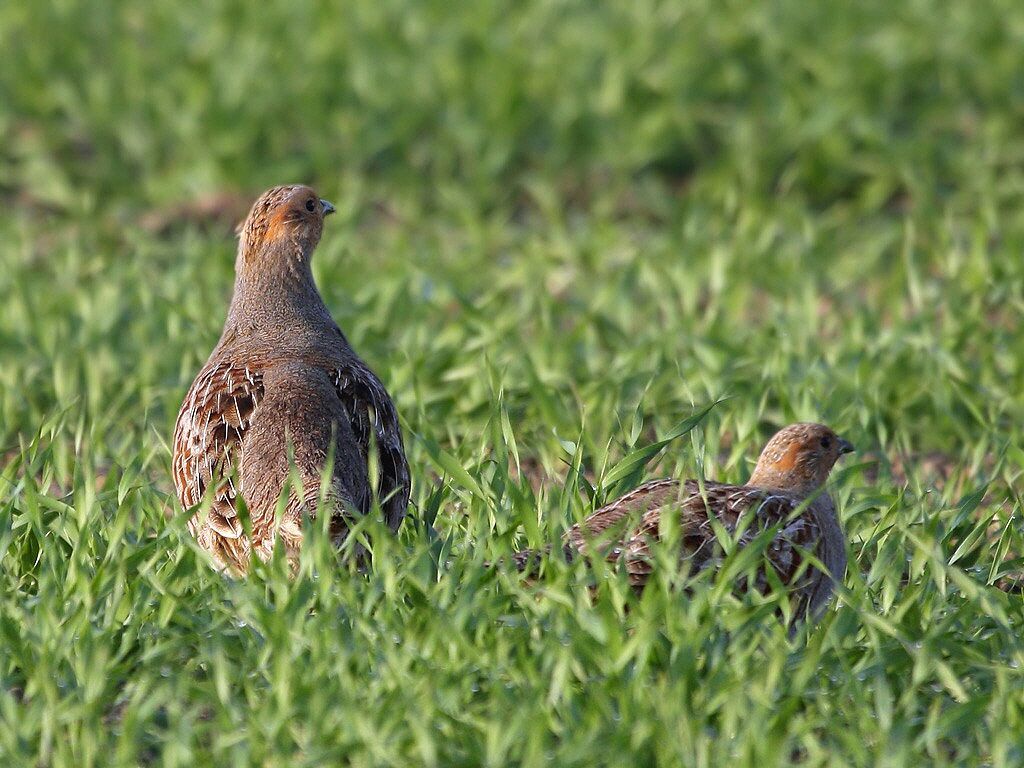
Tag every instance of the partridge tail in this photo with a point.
(528, 561)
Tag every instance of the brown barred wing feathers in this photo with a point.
(208, 434)
(375, 422)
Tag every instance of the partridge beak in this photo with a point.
(326, 205)
(845, 446)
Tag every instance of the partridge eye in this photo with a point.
(310, 205)
(826, 443)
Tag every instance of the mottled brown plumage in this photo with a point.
(283, 389)
(785, 495)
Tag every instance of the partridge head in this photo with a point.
(285, 222)
(799, 458)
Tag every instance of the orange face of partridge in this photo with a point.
(799, 458)
(290, 217)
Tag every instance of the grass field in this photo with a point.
(563, 229)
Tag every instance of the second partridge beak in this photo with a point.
(845, 446)
(327, 207)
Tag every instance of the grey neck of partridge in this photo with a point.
(795, 478)
(274, 286)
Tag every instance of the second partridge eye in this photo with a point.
(826, 443)
(310, 205)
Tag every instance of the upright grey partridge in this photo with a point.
(785, 495)
(283, 389)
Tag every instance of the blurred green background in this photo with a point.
(562, 227)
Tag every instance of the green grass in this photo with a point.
(563, 228)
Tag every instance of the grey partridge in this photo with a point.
(785, 495)
(283, 389)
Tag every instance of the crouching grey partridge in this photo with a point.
(281, 392)
(785, 495)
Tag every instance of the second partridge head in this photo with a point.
(799, 458)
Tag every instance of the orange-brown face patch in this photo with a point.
(254, 229)
(787, 461)
(279, 224)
